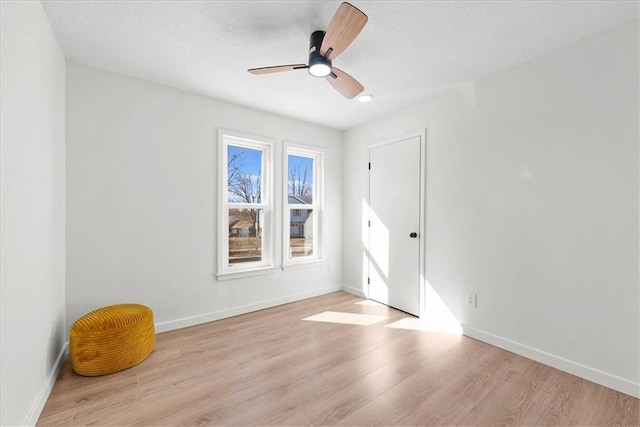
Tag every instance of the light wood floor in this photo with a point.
(273, 367)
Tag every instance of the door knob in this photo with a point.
(413, 234)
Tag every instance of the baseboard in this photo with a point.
(354, 291)
(235, 311)
(594, 375)
(45, 390)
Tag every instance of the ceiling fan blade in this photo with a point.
(276, 69)
(344, 83)
(343, 29)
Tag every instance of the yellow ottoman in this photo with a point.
(111, 339)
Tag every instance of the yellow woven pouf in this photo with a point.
(111, 339)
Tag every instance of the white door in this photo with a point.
(394, 215)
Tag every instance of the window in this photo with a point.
(250, 228)
(247, 223)
(303, 205)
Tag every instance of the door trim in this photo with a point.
(422, 247)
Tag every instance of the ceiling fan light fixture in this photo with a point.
(365, 97)
(319, 70)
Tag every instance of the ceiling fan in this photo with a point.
(324, 47)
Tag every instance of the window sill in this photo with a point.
(231, 275)
(305, 264)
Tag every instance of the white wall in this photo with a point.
(532, 203)
(141, 201)
(32, 193)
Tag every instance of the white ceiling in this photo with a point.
(408, 50)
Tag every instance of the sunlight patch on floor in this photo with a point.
(415, 324)
(371, 303)
(346, 318)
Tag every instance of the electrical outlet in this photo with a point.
(54, 321)
(472, 300)
(469, 299)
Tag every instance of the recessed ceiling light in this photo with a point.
(365, 97)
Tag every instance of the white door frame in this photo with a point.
(422, 251)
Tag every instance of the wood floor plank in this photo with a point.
(325, 361)
(403, 399)
(511, 393)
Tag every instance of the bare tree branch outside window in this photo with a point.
(298, 183)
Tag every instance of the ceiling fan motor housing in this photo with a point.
(319, 66)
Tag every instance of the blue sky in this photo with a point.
(301, 163)
(251, 162)
(251, 159)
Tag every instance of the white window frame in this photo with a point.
(317, 155)
(227, 270)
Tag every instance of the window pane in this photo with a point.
(244, 174)
(245, 235)
(300, 232)
(300, 180)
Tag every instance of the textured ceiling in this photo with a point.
(408, 50)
